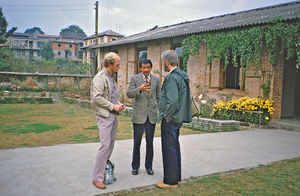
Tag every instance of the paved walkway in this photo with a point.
(67, 169)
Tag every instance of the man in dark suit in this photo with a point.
(175, 108)
(145, 89)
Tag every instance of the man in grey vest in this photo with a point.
(104, 100)
(145, 89)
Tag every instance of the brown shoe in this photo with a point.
(115, 179)
(99, 185)
(165, 186)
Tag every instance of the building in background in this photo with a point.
(210, 78)
(28, 46)
(103, 37)
(67, 45)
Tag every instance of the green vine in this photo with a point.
(245, 45)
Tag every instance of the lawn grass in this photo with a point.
(279, 178)
(28, 125)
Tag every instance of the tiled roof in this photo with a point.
(259, 16)
(107, 33)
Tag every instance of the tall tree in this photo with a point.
(3, 28)
(34, 30)
(47, 51)
(73, 28)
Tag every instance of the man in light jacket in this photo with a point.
(145, 89)
(104, 100)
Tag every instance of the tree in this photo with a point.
(34, 30)
(3, 27)
(47, 51)
(73, 28)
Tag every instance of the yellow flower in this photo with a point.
(267, 118)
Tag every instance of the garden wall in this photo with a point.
(72, 83)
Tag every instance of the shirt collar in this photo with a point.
(145, 76)
(172, 70)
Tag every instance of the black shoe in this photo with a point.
(135, 171)
(149, 171)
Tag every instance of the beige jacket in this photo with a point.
(101, 94)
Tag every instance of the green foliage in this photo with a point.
(244, 46)
(9, 62)
(47, 51)
(34, 30)
(34, 100)
(3, 26)
(28, 128)
(73, 28)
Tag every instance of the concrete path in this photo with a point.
(67, 169)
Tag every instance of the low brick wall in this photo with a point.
(74, 82)
(213, 125)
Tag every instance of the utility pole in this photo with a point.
(96, 27)
(96, 37)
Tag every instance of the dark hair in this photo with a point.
(145, 61)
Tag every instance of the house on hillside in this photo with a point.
(103, 37)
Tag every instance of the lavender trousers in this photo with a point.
(107, 132)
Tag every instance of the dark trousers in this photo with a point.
(171, 151)
(139, 130)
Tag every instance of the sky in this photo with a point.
(123, 16)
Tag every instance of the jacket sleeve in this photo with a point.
(171, 98)
(97, 94)
(133, 89)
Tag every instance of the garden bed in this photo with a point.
(33, 100)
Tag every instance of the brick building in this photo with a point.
(103, 37)
(211, 80)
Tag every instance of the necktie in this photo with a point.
(146, 79)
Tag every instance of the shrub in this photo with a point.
(15, 100)
(251, 110)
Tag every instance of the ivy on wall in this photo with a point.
(245, 45)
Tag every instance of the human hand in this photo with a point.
(144, 87)
(117, 107)
(122, 107)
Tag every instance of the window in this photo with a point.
(141, 54)
(38, 53)
(178, 50)
(20, 53)
(70, 45)
(113, 39)
(232, 75)
(58, 52)
(30, 44)
(40, 44)
(31, 54)
(58, 45)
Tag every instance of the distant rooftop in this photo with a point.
(259, 16)
(107, 33)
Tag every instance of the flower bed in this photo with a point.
(251, 110)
